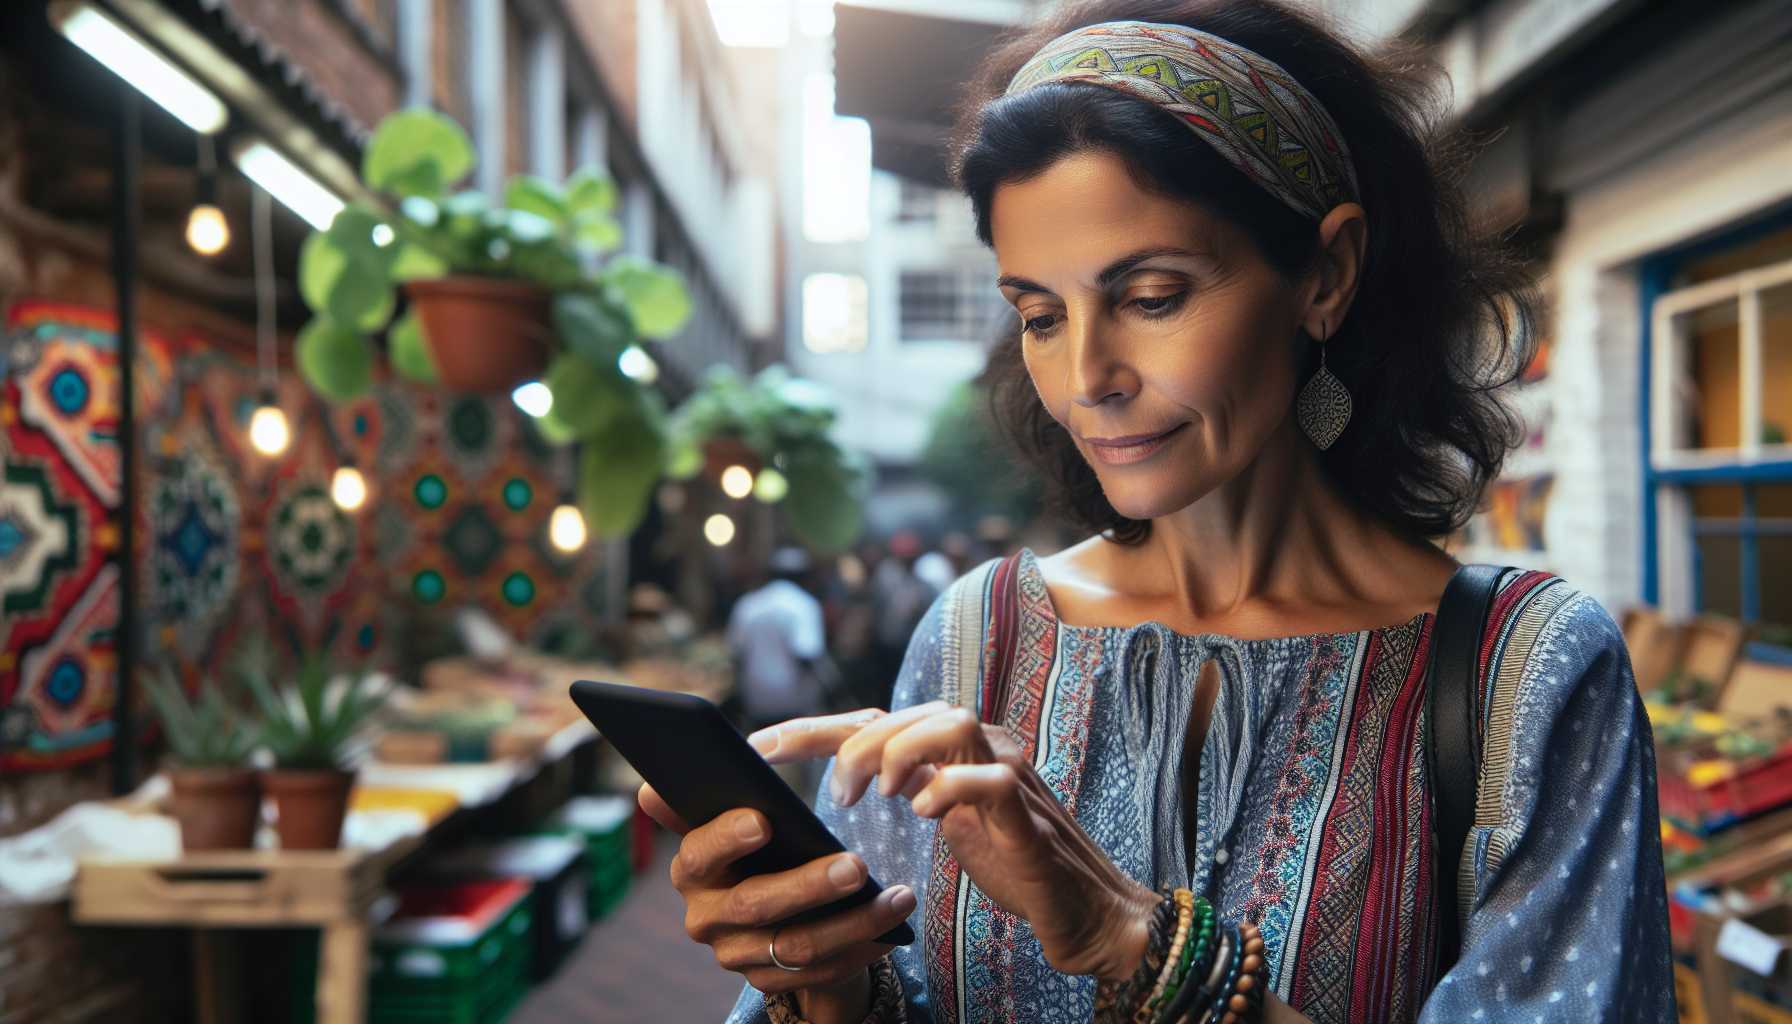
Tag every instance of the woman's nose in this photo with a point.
(1096, 375)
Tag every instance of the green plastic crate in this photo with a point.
(604, 823)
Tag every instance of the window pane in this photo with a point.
(1714, 405)
(1776, 365)
(834, 313)
(948, 305)
(1776, 577)
(1720, 575)
(1763, 251)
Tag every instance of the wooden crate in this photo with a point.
(1711, 646)
(231, 887)
(1655, 646)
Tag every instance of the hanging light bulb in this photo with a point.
(207, 230)
(737, 482)
(718, 530)
(268, 430)
(348, 488)
(566, 528)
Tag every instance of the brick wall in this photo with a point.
(608, 33)
(326, 48)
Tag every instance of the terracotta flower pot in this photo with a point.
(218, 808)
(485, 334)
(309, 807)
(721, 452)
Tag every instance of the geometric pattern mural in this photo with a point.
(231, 543)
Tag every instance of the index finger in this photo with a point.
(803, 738)
(657, 809)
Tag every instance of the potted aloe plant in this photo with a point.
(500, 292)
(216, 797)
(310, 729)
(776, 426)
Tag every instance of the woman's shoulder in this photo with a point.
(1545, 639)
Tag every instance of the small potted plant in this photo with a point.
(501, 290)
(311, 729)
(777, 427)
(216, 797)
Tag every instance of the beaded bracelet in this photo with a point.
(1223, 993)
(1199, 986)
(1194, 954)
(1116, 1002)
(1185, 913)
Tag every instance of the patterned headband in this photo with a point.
(1245, 106)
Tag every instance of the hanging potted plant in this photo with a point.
(776, 426)
(311, 729)
(215, 795)
(499, 294)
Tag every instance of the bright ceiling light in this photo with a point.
(718, 530)
(737, 481)
(533, 398)
(566, 528)
(348, 488)
(268, 430)
(282, 179)
(131, 59)
(207, 230)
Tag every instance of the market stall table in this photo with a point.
(337, 891)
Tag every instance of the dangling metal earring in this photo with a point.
(1324, 404)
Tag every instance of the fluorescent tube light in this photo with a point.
(134, 61)
(282, 179)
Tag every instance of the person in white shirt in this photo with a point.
(778, 639)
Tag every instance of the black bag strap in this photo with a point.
(1455, 748)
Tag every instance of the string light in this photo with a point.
(348, 488)
(207, 230)
(737, 482)
(718, 530)
(268, 431)
(771, 486)
(533, 398)
(566, 528)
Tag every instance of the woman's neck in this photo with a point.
(1278, 538)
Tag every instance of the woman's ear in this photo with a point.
(1343, 238)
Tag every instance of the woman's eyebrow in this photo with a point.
(1109, 274)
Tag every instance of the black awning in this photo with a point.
(904, 72)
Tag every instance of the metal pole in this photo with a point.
(127, 158)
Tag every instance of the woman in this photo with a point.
(1259, 356)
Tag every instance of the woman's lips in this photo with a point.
(1120, 451)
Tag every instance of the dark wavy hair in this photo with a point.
(1443, 316)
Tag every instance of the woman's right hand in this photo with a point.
(738, 916)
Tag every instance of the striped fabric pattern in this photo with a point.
(1313, 805)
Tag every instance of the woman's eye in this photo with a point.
(1159, 305)
(1040, 324)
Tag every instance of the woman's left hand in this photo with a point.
(1003, 824)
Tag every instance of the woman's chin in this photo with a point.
(1138, 499)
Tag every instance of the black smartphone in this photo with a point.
(702, 766)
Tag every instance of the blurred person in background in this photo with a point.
(899, 599)
(1181, 771)
(779, 644)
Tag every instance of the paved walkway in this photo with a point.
(636, 966)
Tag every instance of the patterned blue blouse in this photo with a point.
(1313, 810)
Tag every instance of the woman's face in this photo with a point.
(1156, 333)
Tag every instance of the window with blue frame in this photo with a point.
(1718, 410)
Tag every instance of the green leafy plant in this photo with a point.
(561, 237)
(204, 732)
(307, 727)
(966, 459)
(785, 422)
